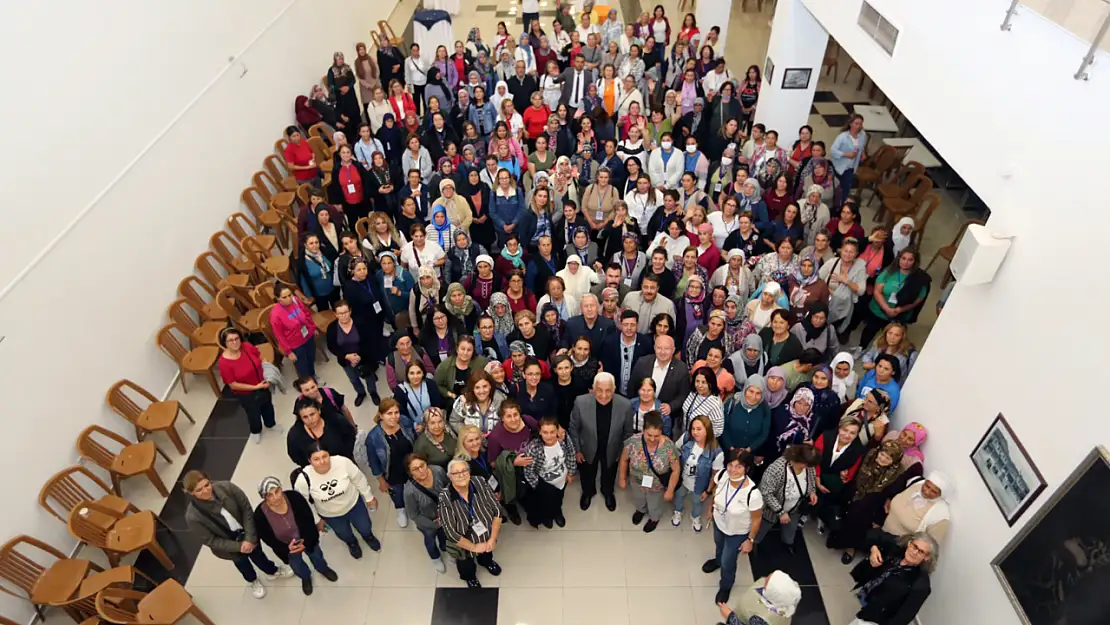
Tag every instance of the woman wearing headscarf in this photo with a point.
(581, 247)
(814, 331)
(880, 477)
(844, 376)
(552, 322)
(922, 507)
(814, 214)
(774, 390)
(902, 234)
(461, 258)
(501, 90)
(395, 282)
(338, 73)
(873, 411)
(425, 296)
(284, 521)
(826, 404)
(460, 307)
(771, 600)
(791, 423)
(441, 231)
(910, 438)
(736, 326)
(501, 313)
(578, 280)
(747, 417)
(305, 114)
(474, 43)
(404, 351)
(750, 359)
(366, 68)
(391, 139)
(690, 309)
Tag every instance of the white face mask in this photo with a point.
(726, 161)
(690, 149)
(666, 145)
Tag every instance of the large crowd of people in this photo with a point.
(578, 257)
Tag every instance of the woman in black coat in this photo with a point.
(340, 344)
(478, 196)
(893, 581)
(367, 310)
(314, 429)
(280, 505)
(438, 328)
(409, 394)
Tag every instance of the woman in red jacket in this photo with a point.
(294, 330)
(535, 119)
(840, 451)
(350, 186)
(240, 367)
(400, 100)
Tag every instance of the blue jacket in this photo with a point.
(869, 382)
(377, 449)
(603, 328)
(746, 428)
(841, 146)
(484, 119)
(502, 346)
(404, 283)
(667, 421)
(315, 281)
(705, 465)
(505, 210)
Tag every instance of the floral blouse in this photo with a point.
(662, 459)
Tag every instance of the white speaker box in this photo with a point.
(979, 256)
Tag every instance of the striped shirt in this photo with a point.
(457, 517)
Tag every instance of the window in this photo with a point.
(880, 30)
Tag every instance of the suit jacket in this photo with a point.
(567, 80)
(675, 388)
(622, 290)
(611, 358)
(583, 427)
(576, 327)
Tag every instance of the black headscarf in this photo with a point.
(807, 322)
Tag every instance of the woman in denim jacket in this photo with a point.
(386, 446)
(700, 457)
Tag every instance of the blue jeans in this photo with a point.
(680, 494)
(397, 495)
(244, 563)
(316, 556)
(354, 375)
(358, 517)
(847, 178)
(306, 358)
(727, 552)
(434, 541)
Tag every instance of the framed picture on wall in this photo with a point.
(1056, 569)
(796, 77)
(1011, 477)
(768, 70)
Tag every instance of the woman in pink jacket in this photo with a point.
(294, 330)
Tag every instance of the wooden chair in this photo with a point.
(831, 62)
(82, 606)
(322, 130)
(932, 201)
(117, 535)
(202, 298)
(243, 226)
(387, 31)
(152, 416)
(322, 152)
(218, 273)
(268, 332)
(165, 605)
(198, 361)
(227, 248)
(246, 321)
(362, 228)
(877, 166)
(896, 208)
(277, 170)
(75, 485)
(23, 562)
(279, 150)
(259, 207)
(901, 183)
(376, 38)
(189, 319)
(272, 265)
(271, 189)
(263, 294)
(948, 252)
(129, 460)
(862, 76)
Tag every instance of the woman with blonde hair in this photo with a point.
(893, 342)
(382, 235)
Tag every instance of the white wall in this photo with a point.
(1001, 108)
(798, 41)
(93, 87)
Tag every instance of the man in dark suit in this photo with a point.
(672, 379)
(589, 324)
(599, 424)
(622, 350)
(612, 280)
(575, 80)
(522, 86)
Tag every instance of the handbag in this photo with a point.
(664, 478)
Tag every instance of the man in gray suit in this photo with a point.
(575, 80)
(599, 425)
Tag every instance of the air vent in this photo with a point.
(878, 28)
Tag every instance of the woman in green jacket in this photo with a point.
(748, 422)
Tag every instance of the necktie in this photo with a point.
(577, 87)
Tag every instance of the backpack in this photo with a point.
(294, 474)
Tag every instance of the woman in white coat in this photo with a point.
(666, 174)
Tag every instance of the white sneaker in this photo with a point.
(438, 565)
(257, 589)
(277, 428)
(697, 523)
(402, 519)
(256, 438)
(283, 571)
(676, 518)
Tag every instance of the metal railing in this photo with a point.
(1088, 20)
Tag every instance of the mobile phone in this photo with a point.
(298, 542)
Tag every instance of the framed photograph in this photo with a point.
(768, 70)
(1056, 570)
(1011, 477)
(796, 77)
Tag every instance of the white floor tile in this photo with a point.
(530, 606)
(596, 605)
(400, 606)
(593, 559)
(660, 606)
(335, 604)
(404, 562)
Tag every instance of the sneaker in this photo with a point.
(330, 575)
(494, 568)
(650, 526)
(277, 428)
(802, 520)
(402, 519)
(696, 522)
(374, 543)
(256, 438)
(676, 518)
(257, 589)
(438, 565)
(306, 585)
(561, 521)
(638, 516)
(821, 529)
(710, 565)
(473, 583)
(355, 549)
(282, 571)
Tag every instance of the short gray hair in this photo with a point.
(589, 296)
(929, 565)
(455, 461)
(604, 377)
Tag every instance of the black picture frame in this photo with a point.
(796, 77)
(1054, 569)
(1005, 467)
(768, 70)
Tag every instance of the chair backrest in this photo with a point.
(226, 245)
(320, 149)
(883, 158)
(70, 487)
(931, 202)
(263, 294)
(241, 226)
(227, 302)
(923, 187)
(170, 343)
(279, 149)
(256, 202)
(129, 400)
(254, 250)
(243, 296)
(265, 184)
(832, 54)
(275, 167)
(322, 130)
(196, 291)
(362, 227)
(19, 570)
(185, 315)
(91, 444)
(213, 269)
(119, 605)
(302, 194)
(267, 327)
(377, 38)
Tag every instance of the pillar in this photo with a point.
(710, 13)
(798, 41)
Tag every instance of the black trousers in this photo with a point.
(468, 567)
(417, 99)
(871, 327)
(589, 471)
(527, 19)
(544, 504)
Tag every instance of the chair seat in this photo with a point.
(899, 206)
(242, 264)
(289, 183)
(266, 352)
(277, 264)
(132, 532)
(889, 190)
(948, 252)
(867, 174)
(209, 333)
(267, 241)
(235, 280)
(283, 199)
(99, 581)
(201, 359)
(323, 320)
(158, 416)
(134, 459)
(212, 312)
(117, 505)
(167, 603)
(327, 166)
(270, 218)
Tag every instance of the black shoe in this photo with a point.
(376, 398)
(330, 575)
(494, 569)
(355, 549)
(650, 526)
(473, 583)
(584, 503)
(561, 521)
(359, 399)
(534, 525)
(847, 558)
(638, 516)
(710, 565)
(514, 514)
(789, 548)
(548, 524)
(611, 502)
(722, 595)
(375, 544)
(306, 585)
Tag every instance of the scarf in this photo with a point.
(752, 341)
(843, 385)
(809, 211)
(467, 306)
(774, 399)
(812, 333)
(431, 293)
(516, 259)
(755, 380)
(319, 259)
(913, 454)
(462, 255)
(556, 330)
(872, 477)
(799, 422)
(902, 241)
(695, 303)
(443, 233)
(504, 323)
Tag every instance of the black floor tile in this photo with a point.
(811, 609)
(486, 7)
(465, 606)
(217, 457)
(851, 105)
(771, 555)
(173, 513)
(228, 420)
(835, 121)
(182, 547)
(825, 96)
(813, 110)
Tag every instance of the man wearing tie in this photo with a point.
(574, 81)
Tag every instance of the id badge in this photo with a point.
(647, 481)
(304, 332)
(892, 298)
(479, 528)
(388, 282)
(627, 282)
(599, 216)
(350, 188)
(717, 188)
(377, 307)
(492, 481)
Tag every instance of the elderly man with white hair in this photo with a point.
(589, 323)
(600, 422)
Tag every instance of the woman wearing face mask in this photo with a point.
(881, 476)
(737, 508)
(841, 453)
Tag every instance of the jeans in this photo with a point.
(259, 558)
(259, 406)
(316, 556)
(726, 553)
(468, 567)
(434, 541)
(354, 374)
(788, 531)
(397, 495)
(306, 358)
(359, 517)
(680, 494)
(847, 178)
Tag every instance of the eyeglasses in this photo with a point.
(462, 473)
(918, 550)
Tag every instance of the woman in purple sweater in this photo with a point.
(511, 433)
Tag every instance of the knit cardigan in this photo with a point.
(773, 487)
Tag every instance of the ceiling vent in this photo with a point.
(878, 28)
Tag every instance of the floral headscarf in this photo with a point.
(695, 302)
(799, 421)
(873, 477)
(501, 323)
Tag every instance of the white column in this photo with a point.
(798, 41)
(712, 13)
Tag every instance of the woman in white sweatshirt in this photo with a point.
(340, 496)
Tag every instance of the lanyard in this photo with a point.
(697, 403)
(629, 265)
(728, 499)
(485, 415)
(483, 462)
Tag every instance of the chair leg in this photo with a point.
(212, 381)
(187, 415)
(160, 554)
(181, 375)
(175, 438)
(935, 257)
(162, 453)
(200, 615)
(156, 480)
(116, 485)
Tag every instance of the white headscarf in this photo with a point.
(495, 98)
(781, 594)
(902, 241)
(939, 510)
(842, 385)
(578, 283)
